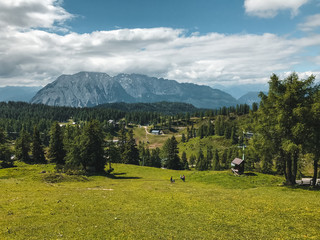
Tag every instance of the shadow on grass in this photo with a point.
(251, 174)
(115, 176)
(304, 187)
(112, 175)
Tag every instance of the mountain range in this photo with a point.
(12, 93)
(250, 98)
(88, 89)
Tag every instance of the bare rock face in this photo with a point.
(87, 89)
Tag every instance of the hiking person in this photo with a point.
(171, 180)
(183, 178)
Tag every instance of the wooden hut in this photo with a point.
(237, 166)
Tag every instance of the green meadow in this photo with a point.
(141, 203)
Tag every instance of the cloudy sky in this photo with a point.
(201, 41)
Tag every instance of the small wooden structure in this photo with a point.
(237, 166)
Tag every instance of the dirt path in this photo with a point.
(146, 128)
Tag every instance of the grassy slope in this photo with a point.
(154, 140)
(194, 144)
(143, 204)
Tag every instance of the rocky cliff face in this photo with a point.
(86, 89)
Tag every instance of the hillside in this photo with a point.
(168, 108)
(140, 203)
(87, 89)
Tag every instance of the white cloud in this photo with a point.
(270, 8)
(164, 52)
(311, 23)
(25, 14)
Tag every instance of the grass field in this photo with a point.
(152, 141)
(194, 144)
(141, 203)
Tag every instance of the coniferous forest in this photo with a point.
(278, 136)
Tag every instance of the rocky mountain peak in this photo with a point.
(86, 89)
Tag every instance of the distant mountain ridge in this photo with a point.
(15, 93)
(250, 98)
(87, 89)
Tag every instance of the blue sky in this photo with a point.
(204, 16)
(212, 42)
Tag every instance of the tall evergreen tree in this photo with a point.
(209, 157)
(216, 161)
(2, 136)
(22, 147)
(202, 163)
(266, 164)
(184, 161)
(171, 152)
(37, 147)
(56, 152)
(183, 138)
(155, 158)
(218, 128)
(91, 147)
(210, 128)
(122, 142)
(131, 152)
(224, 159)
(234, 137)
(147, 158)
(5, 152)
(188, 134)
(112, 153)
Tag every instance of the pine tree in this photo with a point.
(224, 159)
(217, 126)
(56, 152)
(200, 132)
(184, 161)
(71, 145)
(266, 164)
(255, 107)
(155, 158)
(234, 136)
(209, 156)
(202, 163)
(22, 147)
(3, 139)
(210, 129)
(131, 152)
(91, 147)
(188, 134)
(5, 152)
(122, 143)
(171, 152)
(183, 138)
(37, 147)
(147, 158)
(216, 162)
